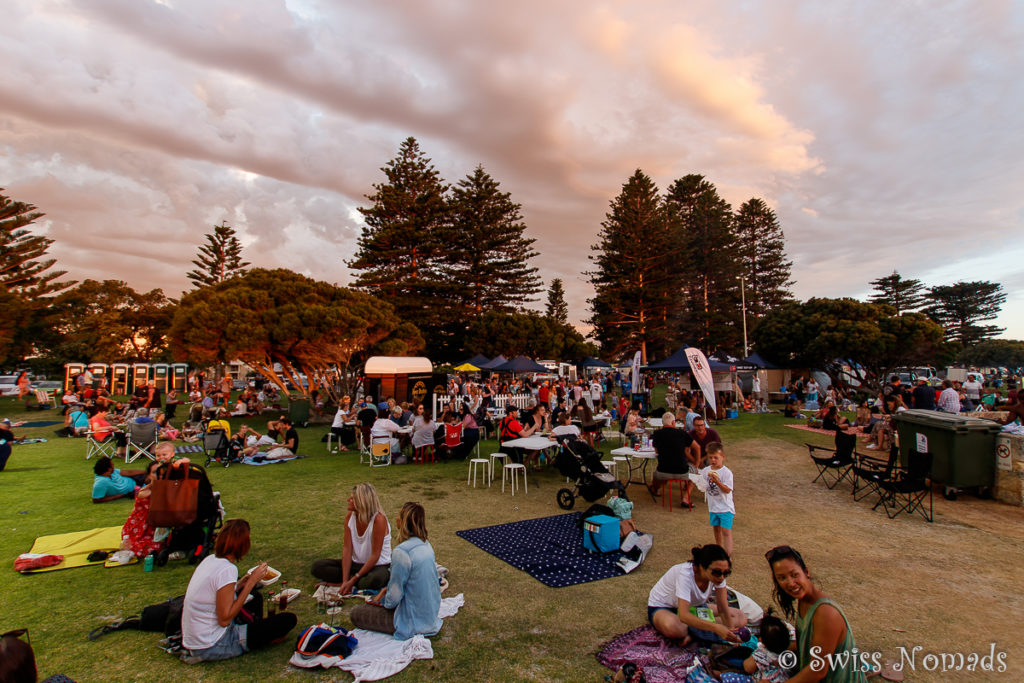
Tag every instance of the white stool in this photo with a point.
(497, 456)
(612, 467)
(511, 469)
(620, 459)
(473, 465)
(331, 436)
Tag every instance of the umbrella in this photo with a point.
(466, 367)
(677, 361)
(521, 364)
(479, 360)
(492, 364)
(590, 362)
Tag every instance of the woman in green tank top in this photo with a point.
(825, 648)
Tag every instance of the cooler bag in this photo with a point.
(601, 534)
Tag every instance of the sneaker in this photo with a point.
(872, 447)
(177, 555)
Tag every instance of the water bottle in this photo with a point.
(147, 564)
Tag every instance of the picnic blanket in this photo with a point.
(37, 423)
(188, 449)
(251, 460)
(76, 546)
(819, 430)
(550, 549)
(379, 655)
(24, 442)
(663, 661)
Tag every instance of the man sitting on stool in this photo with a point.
(678, 453)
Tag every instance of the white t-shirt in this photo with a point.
(972, 390)
(755, 385)
(383, 427)
(678, 584)
(339, 418)
(566, 430)
(422, 432)
(718, 501)
(199, 627)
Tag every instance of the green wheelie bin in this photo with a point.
(963, 448)
(298, 409)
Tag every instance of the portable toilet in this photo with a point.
(161, 376)
(119, 375)
(71, 371)
(179, 376)
(140, 375)
(100, 374)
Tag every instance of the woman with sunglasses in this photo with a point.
(821, 626)
(672, 607)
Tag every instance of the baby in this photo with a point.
(764, 665)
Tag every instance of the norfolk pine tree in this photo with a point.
(218, 259)
(556, 308)
(23, 266)
(635, 281)
(767, 273)
(960, 307)
(894, 290)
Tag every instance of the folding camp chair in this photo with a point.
(838, 464)
(380, 453)
(106, 447)
(908, 487)
(363, 444)
(869, 471)
(216, 447)
(45, 399)
(142, 438)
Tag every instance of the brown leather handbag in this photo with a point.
(174, 502)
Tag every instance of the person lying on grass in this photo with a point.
(678, 608)
(111, 484)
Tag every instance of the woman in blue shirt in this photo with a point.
(409, 604)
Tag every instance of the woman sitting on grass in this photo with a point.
(366, 555)
(214, 598)
(409, 604)
(821, 626)
(677, 606)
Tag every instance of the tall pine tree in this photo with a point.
(24, 268)
(962, 306)
(484, 264)
(557, 309)
(218, 259)
(903, 295)
(635, 280)
(703, 227)
(398, 253)
(767, 273)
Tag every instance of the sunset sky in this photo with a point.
(887, 135)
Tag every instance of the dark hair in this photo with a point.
(704, 555)
(774, 633)
(17, 661)
(286, 420)
(102, 465)
(785, 600)
(233, 539)
(714, 447)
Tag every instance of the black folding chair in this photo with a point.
(869, 471)
(907, 489)
(838, 464)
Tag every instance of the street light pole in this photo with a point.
(743, 303)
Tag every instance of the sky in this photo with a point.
(886, 136)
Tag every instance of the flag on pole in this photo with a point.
(702, 371)
(634, 377)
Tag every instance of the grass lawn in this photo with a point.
(952, 586)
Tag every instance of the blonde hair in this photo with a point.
(366, 502)
(412, 521)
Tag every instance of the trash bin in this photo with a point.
(962, 447)
(298, 409)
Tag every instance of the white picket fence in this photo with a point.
(520, 401)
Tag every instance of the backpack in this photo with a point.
(322, 645)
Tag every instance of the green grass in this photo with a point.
(512, 627)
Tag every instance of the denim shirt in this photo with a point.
(413, 591)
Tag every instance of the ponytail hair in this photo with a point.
(704, 555)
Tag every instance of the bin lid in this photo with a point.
(934, 418)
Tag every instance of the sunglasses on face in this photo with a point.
(781, 551)
(720, 573)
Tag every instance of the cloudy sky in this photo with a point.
(887, 135)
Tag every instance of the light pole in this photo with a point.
(743, 303)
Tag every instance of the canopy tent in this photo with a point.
(755, 360)
(591, 362)
(678, 361)
(466, 367)
(479, 360)
(521, 364)
(493, 364)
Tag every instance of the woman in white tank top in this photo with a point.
(366, 558)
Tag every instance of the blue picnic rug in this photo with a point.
(550, 549)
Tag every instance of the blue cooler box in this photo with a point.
(601, 533)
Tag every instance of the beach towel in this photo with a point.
(255, 462)
(76, 546)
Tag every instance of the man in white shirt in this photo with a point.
(949, 399)
(384, 428)
(972, 390)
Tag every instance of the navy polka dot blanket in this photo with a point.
(550, 549)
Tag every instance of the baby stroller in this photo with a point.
(196, 538)
(582, 464)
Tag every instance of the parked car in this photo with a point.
(8, 385)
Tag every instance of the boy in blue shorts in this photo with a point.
(721, 508)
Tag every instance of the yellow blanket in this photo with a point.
(76, 546)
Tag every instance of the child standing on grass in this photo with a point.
(721, 508)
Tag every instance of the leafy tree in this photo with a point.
(635, 281)
(218, 259)
(24, 269)
(1005, 353)
(831, 333)
(14, 345)
(960, 308)
(268, 317)
(557, 309)
(530, 334)
(903, 295)
(709, 262)
(398, 253)
(484, 265)
(767, 273)
(107, 322)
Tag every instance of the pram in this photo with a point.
(579, 462)
(195, 539)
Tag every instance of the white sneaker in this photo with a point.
(872, 447)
